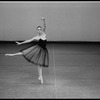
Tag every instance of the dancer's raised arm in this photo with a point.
(44, 25)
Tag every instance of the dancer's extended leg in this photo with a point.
(14, 54)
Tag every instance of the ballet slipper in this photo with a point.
(41, 80)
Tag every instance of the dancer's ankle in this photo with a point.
(39, 78)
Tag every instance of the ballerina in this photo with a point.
(38, 53)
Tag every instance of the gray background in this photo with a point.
(66, 21)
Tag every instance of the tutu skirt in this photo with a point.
(37, 55)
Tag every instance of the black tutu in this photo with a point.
(37, 54)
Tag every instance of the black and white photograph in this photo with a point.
(49, 49)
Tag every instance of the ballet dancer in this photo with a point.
(38, 53)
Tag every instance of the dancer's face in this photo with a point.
(39, 30)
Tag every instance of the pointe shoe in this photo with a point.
(41, 80)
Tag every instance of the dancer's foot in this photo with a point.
(41, 80)
(8, 54)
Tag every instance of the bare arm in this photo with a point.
(27, 41)
(44, 25)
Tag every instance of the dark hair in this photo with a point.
(39, 27)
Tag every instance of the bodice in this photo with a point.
(42, 43)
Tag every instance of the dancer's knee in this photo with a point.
(21, 53)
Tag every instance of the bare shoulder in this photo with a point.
(36, 37)
(43, 36)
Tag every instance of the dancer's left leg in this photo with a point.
(40, 74)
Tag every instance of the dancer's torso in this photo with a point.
(42, 43)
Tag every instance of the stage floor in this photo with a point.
(73, 72)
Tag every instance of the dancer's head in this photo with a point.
(39, 30)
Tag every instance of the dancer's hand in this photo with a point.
(18, 43)
(42, 18)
